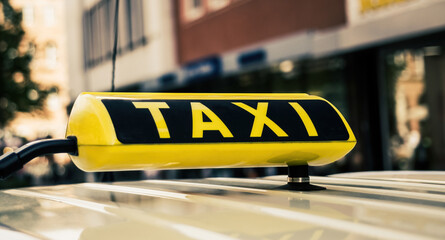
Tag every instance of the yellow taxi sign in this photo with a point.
(129, 131)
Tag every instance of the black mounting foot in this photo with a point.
(298, 179)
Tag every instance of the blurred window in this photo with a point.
(101, 21)
(193, 9)
(196, 3)
(217, 4)
(407, 109)
(49, 16)
(87, 40)
(96, 37)
(98, 29)
(124, 26)
(31, 48)
(109, 27)
(51, 55)
(137, 22)
(2, 15)
(28, 15)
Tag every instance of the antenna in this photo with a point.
(108, 176)
(116, 28)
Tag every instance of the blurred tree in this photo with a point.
(18, 93)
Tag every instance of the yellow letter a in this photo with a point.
(199, 126)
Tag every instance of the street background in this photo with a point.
(380, 62)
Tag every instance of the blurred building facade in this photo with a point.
(146, 43)
(381, 62)
(45, 38)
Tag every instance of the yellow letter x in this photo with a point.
(261, 119)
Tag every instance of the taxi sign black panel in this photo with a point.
(137, 125)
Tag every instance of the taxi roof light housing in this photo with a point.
(132, 131)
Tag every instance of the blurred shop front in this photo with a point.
(391, 94)
(383, 69)
(324, 77)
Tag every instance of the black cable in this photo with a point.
(14, 161)
(116, 28)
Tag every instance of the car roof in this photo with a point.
(384, 205)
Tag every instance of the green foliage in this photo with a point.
(18, 93)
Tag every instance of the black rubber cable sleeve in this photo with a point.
(14, 161)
